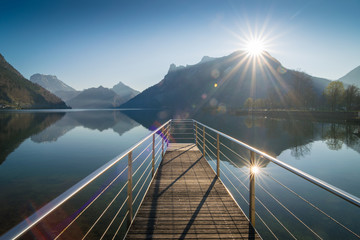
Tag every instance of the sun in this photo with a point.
(255, 47)
(254, 169)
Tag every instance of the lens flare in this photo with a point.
(255, 47)
(255, 169)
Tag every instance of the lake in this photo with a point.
(43, 153)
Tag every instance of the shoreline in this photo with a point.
(302, 114)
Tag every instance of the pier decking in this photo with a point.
(187, 201)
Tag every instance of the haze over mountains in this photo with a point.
(220, 82)
(353, 77)
(124, 91)
(96, 98)
(18, 92)
(224, 82)
(54, 85)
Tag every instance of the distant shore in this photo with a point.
(302, 114)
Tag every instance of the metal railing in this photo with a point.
(234, 162)
(143, 160)
(246, 160)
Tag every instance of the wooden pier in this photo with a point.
(186, 200)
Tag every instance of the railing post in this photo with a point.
(218, 156)
(196, 140)
(153, 155)
(162, 144)
(252, 189)
(204, 141)
(129, 190)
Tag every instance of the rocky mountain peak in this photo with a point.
(206, 59)
(51, 83)
(173, 67)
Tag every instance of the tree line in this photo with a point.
(300, 95)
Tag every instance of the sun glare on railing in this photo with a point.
(254, 169)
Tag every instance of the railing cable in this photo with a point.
(238, 167)
(268, 210)
(312, 205)
(296, 217)
(149, 174)
(134, 187)
(147, 147)
(246, 201)
(117, 213)
(139, 167)
(108, 206)
(122, 222)
(150, 153)
(91, 203)
(241, 157)
(206, 133)
(267, 227)
(150, 163)
(143, 182)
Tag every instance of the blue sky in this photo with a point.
(88, 43)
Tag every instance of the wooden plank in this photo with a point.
(187, 201)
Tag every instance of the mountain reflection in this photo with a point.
(94, 120)
(336, 135)
(270, 135)
(50, 126)
(16, 127)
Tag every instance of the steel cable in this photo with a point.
(146, 158)
(262, 204)
(282, 205)
(91, 203)
(311, 204)
(141, 152)
(224, 174)
(117, 213)
(127, 213)
(268, 228)
(142, 187)
(234, 152)
(233, 163)
(108, 206)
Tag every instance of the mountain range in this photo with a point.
(96, 98)
(18, 92)
(226, 81)
(353, 77)
(54, 85)
(213, 82)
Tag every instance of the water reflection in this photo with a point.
(94, 120)
(337, 135)
(59, 149)
(18, 126)
(276, 135)
(45, 153)
(271, 135)
(50, 126)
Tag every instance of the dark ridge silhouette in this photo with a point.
(18, 92)
(221, 82)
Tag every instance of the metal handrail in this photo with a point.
(200, 138)
(200, 134)
(29, 222)
(326, 186)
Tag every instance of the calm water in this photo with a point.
(44, 153)
(329, 151)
